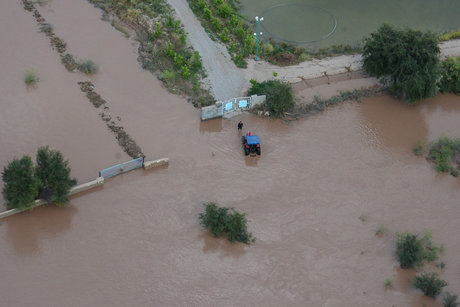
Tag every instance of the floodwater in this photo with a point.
(308, 23)
(137, 241)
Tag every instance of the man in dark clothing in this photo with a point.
(240, 125)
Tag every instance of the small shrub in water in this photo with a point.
(88, 67)
(381, 230)
(31, 78)
(419, 149)
(388, 283)
(430, 284)
(450, 300)
(220, 220)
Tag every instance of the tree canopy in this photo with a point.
(408, 60)
(279, 95)
(49, 179)
(21, 186)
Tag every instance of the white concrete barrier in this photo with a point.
(86, 186)
(83, 187)
(151, 164)
(39, 202)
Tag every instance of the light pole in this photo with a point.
(258, 20)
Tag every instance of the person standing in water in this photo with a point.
(240, 125)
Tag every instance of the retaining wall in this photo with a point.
(216, 110)
(155, 163)
(82, 187)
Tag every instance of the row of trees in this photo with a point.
(49, 179)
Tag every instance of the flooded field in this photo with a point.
(137, 241)
(318, 24)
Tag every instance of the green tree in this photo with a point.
(279, 95)
(20, 187)
(53, 175)
(430, 284)
(407, 59)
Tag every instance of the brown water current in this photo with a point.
(137, 241)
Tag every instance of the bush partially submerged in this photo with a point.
(279, 95)
(21, 186)
(430, 284)
(419, 149)
(49, 180)
(445, 153)
(412, 251)
(221, 220)
(408, 60)
(31, 78)
(88, 67)
(450, 300)
(53, 174)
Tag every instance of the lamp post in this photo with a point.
(258, 20)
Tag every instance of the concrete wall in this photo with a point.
(83, 187)
(256, 100)
(215, 110)
(155, 163)
(76, 189)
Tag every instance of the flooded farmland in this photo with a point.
(137, 240)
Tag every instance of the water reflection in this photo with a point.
(251, 161)
(394, 123)
(221, 245)
(212, 125)
(444, 102)
(25, 230)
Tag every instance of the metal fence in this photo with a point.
(122, 168)
(240, 103)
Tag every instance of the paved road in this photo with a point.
(224, 78)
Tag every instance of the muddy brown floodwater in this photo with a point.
(137, 241)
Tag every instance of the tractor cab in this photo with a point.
(251, 144)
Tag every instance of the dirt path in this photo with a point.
(224, 78)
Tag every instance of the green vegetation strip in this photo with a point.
(449, 36)
(163, 45)
(221, 20)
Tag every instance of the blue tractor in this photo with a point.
(251, 144)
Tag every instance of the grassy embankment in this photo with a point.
(162, 45)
